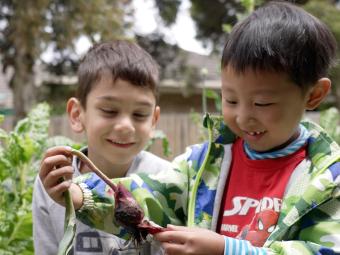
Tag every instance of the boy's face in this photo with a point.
(118, 120)
(263, 108)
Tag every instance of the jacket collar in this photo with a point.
(322, 151)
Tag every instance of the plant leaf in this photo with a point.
(70, 226)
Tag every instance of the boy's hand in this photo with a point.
(184, 240)
(56, 173)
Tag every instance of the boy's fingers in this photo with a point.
(57, 191)
(65, 150)
(49, 163)
(55, 176)
(179, 228)
(173, 248)
(178, 237)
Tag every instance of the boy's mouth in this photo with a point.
(122, 144)
(253, 135)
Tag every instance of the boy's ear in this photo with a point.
(318, 93)
(75, 111)
(155, 119)
(156, 115)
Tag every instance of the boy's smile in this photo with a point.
(263, 108)
(119, 119)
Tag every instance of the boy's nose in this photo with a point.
(245, 118)
(125, 125)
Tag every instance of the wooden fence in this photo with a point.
(180, 129)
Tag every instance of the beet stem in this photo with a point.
(94, 169)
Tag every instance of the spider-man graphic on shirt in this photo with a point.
(260, 227)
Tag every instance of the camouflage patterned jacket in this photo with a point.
(190, 194)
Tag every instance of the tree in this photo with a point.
(212, 17)
(208, 16)
(28, 28)
(326, 11)
(163, 52)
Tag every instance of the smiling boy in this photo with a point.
(116, 107)
(265, 182)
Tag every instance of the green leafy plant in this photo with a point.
(20, 150)
(160, 135)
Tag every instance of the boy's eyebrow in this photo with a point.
(259, 91)
(266, 92)
(111, 98)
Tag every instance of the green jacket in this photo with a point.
(190, 194)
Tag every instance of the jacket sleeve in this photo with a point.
(163, 197)
(46, 234)
(317, 233)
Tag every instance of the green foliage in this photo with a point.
(209, 17)
(69, 227)
(330, 121)
(330, 15)
(160, 135)
(168, 10)
(19, 151)
(212, 94)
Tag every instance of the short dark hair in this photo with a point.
(122, 59)
(281, 37)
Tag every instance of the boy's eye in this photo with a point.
(141, 115)
(108, 111)
(263, 104)
(231, 102)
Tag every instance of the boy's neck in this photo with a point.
(290, 140)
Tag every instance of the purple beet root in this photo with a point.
(127, 211)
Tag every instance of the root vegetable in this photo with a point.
(127, 211)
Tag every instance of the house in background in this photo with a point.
(184, 80)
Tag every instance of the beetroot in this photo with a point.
(127, 212)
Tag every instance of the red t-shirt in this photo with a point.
(253, 194)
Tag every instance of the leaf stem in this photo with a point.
(94, 169)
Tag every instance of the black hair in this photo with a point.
(122, 59)
(281, 37)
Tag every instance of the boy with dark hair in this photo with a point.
(265, 182)
(116, 107)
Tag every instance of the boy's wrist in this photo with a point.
(83, 198)
(77, 195)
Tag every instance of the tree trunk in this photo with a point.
(24, 95)
(23, 87)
